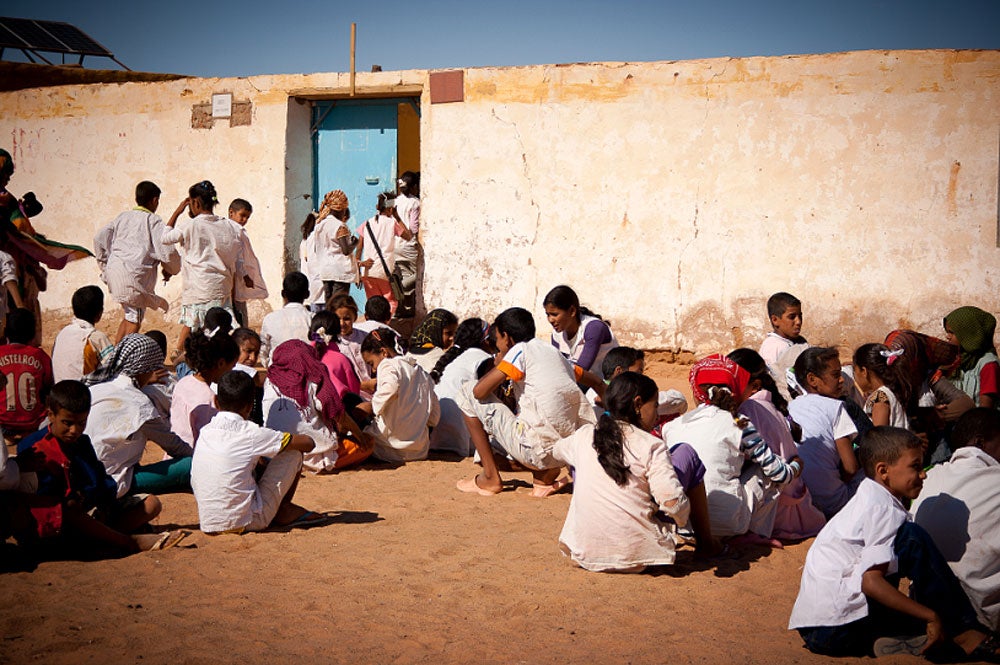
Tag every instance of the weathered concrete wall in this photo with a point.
(674, 196)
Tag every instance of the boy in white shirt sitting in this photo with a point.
(849, 601)
(231, 496)
(291, 321)
(80, 348)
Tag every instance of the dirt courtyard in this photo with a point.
(410, 571)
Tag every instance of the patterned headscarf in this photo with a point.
(136, 354)
(974, 330)
(924, 358)
(717, 370)
(335, 200)
(430, 332)
(294, 367)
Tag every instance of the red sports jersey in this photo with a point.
(29, 376)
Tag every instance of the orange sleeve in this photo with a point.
(578, 372)
(511, 372)
(90, 359)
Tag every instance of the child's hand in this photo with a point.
(935, 633)
(183, 206)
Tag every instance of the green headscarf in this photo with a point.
(974, 330)
(430, 332)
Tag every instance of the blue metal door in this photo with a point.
(354, 145)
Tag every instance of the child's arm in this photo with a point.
(400, 228)
(346, 424)
(15, 293)
(177, 213)
(875, 586)
(300, 442)
(755, 449)
(848, 460)
(590, 380)
(490, 382)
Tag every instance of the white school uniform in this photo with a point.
(773, 346)
(408, 209)
(250, 267)
(334, 265)
(290, 322)
(823, 421)
(573, 347)
(69, 351)
(405, 405)
(283, 414)
(129, 249)
(615, 528)
(309, 266)
(211, 256)
(451, 433)
(384, 228)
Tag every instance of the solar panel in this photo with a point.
(50, 36)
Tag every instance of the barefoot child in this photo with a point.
(876, 375)
(623, 478)
(849, 598)
(550, 407)
(80, 348)
(230, 497)
(129, 251)
(249, 283)
(785, 312)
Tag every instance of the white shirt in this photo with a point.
(290, 322)
(385, 233)
(333, 264)
(959, 506)
(309, 266)
(69, 349)
(285, 415)
(8, 273)
(611, 527)
(129, 249)
(408, 209)
(250, 268)
(572, 348)
(773, 346)
(855, 540)
(404, 404)
(211, 256)
(451, 433)
(897, 413)
(121, 420)
(222, 470)
(823, 421)
(368, 326)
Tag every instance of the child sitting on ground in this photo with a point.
(249, 283)
(785, 312)
(323, 333)
(670, 403)
(404, 404)
(623, 476)
(742, 474)
(978, 373)
(80, 348)
(291, 321)
(349, 341)
(831, 470)
(378, 313)
(550, 407)
(579, 334)
(457, 366)
(29, 377)
(231, 496)
(434, 336)
(72, 482)
(876, 376)
(193, 404)
(849, 598)
(249, 342)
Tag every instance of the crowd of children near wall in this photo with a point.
(891, 462)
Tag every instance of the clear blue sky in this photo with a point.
(214, 38)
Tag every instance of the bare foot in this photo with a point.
(288, 513)
(473, 486)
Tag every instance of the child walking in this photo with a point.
(978, 373)
(334, 244)
(623, 481)
(129, 249)
(875, 373)
(385, 226)
(831, 470)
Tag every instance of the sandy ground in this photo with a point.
(410, 571)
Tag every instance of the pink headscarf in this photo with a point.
(717, 370)
(294, 367)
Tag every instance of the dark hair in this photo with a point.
(620, 356)
(381, 338)
(240, 204)
(145, 192)
(412, 181)
(295, 287)
(308, 225)
(382, 198)
(870, 357)
(754, 364)
(205, 192)
(562, 297)
(88, 303)
(203, 352)
(241, 335)
(160, 338)
(516, 322)
(377, 308)
(978, 423)
(813, 361)
(21, 326)
(69, 395)
(884, 444)
(235, 391)
(330, 324)
(344, 300)
(619, 402)
(780, 302)
(468, 335)
(219, 317)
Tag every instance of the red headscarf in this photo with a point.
(294, 367)
(717, 370)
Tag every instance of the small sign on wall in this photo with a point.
(222, 105)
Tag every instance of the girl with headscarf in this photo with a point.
(978, 373)
(742, 474)
(434, 336)
(122, 418)
(300, 397)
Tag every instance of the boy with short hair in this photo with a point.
(229, 449)
(80, 348)
(73, 488)
(550, 407)
(849, 598)
(249, 282)
(291, 321)
(129, 250)
(785, 313)
(378, 313)
(29, 377)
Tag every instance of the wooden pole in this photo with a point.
(354, 44)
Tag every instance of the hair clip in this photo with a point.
(891, 356)
(321, 336)
(212, 333)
